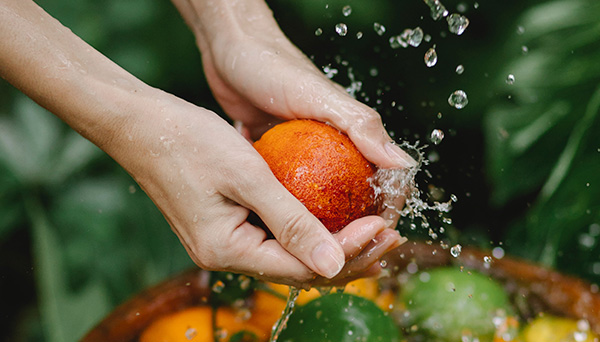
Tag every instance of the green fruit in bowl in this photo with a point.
(448, 304)
(340, 318)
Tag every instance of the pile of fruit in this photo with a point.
(441, 304)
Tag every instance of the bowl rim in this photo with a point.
(555, 292)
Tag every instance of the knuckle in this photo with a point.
(297, 228)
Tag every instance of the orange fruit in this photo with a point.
(195, 324)
(321, 167)
(192, 324)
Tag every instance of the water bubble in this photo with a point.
(437, 9)
(455, 250)
(218, 286)
(318, 31)
(510, 79)
(457, 23)
(346, 10)
(458, 99)
(498, 252)
(379, 29)
(460, 69)
(430, 57)
(437, 135)
(341, 29)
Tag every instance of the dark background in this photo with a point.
(78, 236)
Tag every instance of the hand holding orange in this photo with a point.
(321, 167)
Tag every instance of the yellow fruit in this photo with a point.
(548, 328)
(321, 167)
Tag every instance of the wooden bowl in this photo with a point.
(533, 288)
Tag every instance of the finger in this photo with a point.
(365, 128)
(295, 228)
(251, 253)
(391, 213)
(323, 100)
(364, 264)
(359, 233)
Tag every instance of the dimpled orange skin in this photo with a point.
(321, 167)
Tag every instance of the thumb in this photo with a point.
(294, 227)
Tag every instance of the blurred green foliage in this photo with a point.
(78, 236)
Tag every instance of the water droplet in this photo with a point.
(437, 9)
(498, 252)
(191, 333)
(218, 286)
(520, 30)
(460, 69)
(455, 250)
(437, 135)
(453, 198)
(476, 5)
(457, 23)
(379, 29)
(415, 37)
(341, 29)
(318, 31)
(430, 57)
(397, 42)
(487, 259)
(373, 72)
(458, 99)
(359, 35)
(510, 79)
(524, 49)
(346, 10)
(383, 263)
(195, 219)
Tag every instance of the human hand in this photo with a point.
(207, 179)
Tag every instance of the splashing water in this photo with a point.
(285, 315)
(458, 99)
(510, 79)
(341, 29)
(379, 29)
(430, 57)
(438, 10)
(460, 69)
(346, 10)
(389, 184)
(437, 135)
(455, 250)
(457, 23)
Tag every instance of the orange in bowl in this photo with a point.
(321, 167)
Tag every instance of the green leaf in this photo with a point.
(66, 316)
(533, 138)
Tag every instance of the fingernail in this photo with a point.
(327, 260)
(399, 156)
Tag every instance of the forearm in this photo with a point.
(64, 74)
(216, 21)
